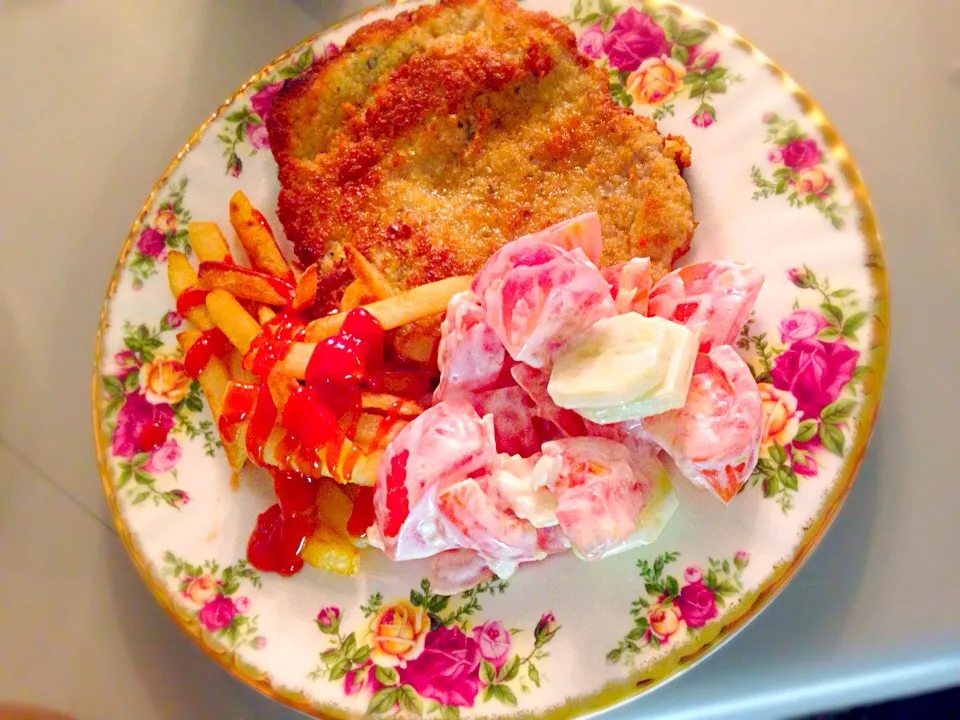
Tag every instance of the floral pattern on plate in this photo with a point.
(424, 656)
(150, 401)
(245, 127)
(213, 591)
(165, 230)
(668, 611)
(800, 171)
(809, 384)
(652, 58)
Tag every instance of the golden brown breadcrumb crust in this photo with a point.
(477, 122)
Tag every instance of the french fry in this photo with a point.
(391, 404)
(330, 550)
(333, 505)
(181, 277)
(213, 381)
(368, 273)
(297, 357)
(306, 291)
(416, 347)
(242, 282)
(265, 314)
(208, 242)
(281, 386)
(355, 295)
(228, 315)
(237, 371)
(374, 432)
(415, 304)
(352, 465)
(257, 239)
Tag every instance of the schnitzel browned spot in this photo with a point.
(434, 138)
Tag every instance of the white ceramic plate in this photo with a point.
(772, 185)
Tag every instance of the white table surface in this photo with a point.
(96, 97)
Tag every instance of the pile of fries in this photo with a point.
(238, 301)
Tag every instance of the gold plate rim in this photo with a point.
(684, 656)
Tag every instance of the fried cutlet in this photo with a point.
(434, 138)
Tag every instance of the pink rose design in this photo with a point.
(124, 363)
(171, 320)
(741, 559)
(151, 242)
(217, 613)
(364, 676)
(448, 668)
(262, 100)
(803, 462)
(633, 38)
(702, 119)
(259, 642)
(354, 680)
(494, 641)
(774, 156)
(242, 604)
(697, 604)
(801, 153)
(330, 51)
(234, 165)
(179, 497)
(591, 41)
(801, 325)
(135, 414)
(700, 59)
(801, 277)
(164, 458)
(814, 372)
(257, 136)
(693, 574)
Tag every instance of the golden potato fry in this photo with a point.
(181, 278)
(374, 432)
(265, 314)
(392, 404)
(242, 282)
(306, 291)
(237, 324)
(413, 345)
(329, 550)
(208, 242)
(415, 304)
(355, 295)
(333, 506)
(239, 373)
(368, 274)
(281, 385)
(257, 239)
(213, 381)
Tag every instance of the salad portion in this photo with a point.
(561, 387)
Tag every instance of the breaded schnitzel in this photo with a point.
(434, 138)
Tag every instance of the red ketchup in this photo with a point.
(271, 345)
(339, 367)
(283, 529)
(152, 436)
(238, 402)
(189, 299)
(363, 515)
(211, 342)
